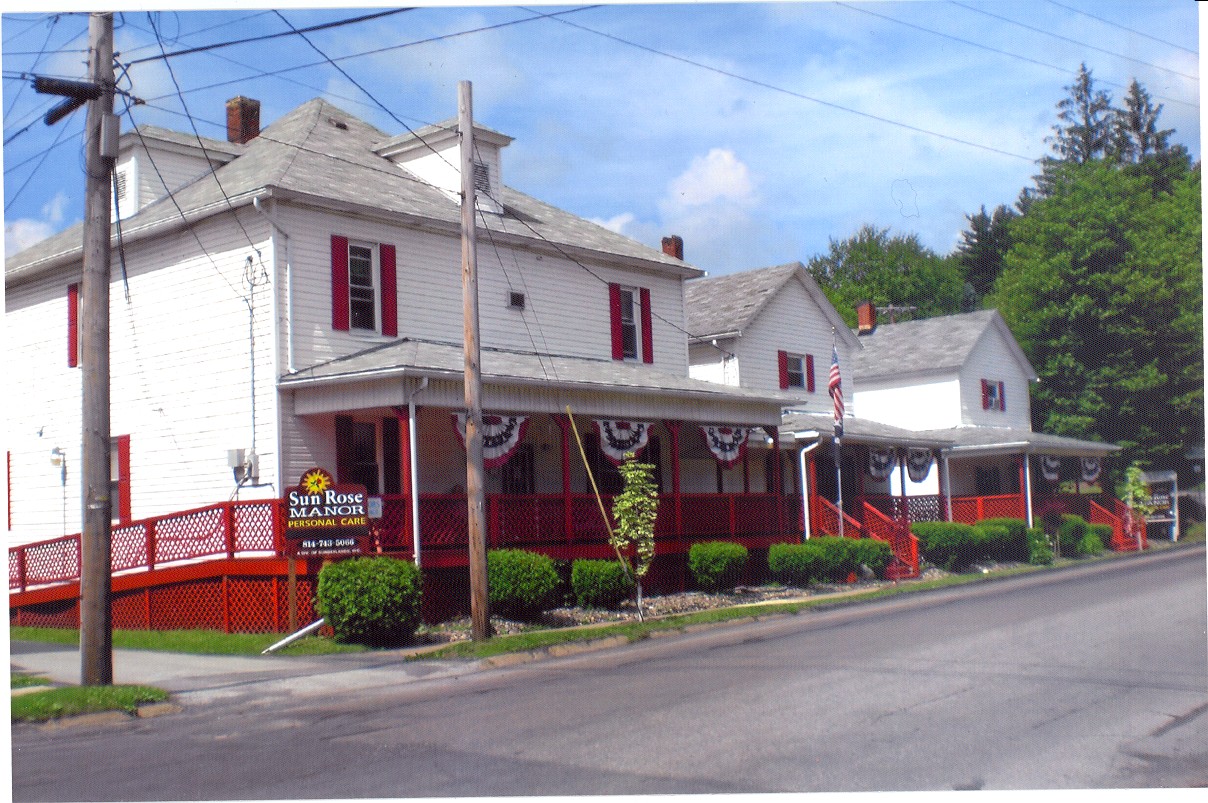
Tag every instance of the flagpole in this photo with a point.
(839, 483)
(835, 388)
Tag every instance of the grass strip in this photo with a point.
(20, 681)
(67, 701)
(196, 642)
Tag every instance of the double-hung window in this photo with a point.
(994, 395)
(796, 371)
(632, 323)
(364, 287)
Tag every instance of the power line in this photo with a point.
(792, 93)
(994, 49)
(1072, 41)
(164, 56)
(1123, 27)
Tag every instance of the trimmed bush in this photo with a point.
(872, 553)
(795, 564)
(599, 583)
(520, 584)
(371, 601)
(717, 564)
(950, 545)
(990, 541)
(1040, 552)
(1070, 532)
(1091, 543)
(1015, 546)
(1104, 531)
(836, 559)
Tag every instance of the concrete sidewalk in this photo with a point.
(198, 678)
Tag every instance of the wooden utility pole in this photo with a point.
(475, 492)
(96, 623)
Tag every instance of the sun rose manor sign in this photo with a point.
(322, 518)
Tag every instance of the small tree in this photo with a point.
(635, 509)
(1135, 494)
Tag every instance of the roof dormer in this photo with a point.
(432, 155)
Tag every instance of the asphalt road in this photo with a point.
(1086, 678)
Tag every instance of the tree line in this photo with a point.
(1097, 269)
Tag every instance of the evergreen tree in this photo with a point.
(1135, 134)
(982, 247)
(1087, 122)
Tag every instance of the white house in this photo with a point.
(300, 286)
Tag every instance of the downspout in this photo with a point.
(805, 480)
(1027, 477)
(414, 458)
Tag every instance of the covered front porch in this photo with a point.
(391, 419)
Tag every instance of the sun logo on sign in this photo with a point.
(316, 481)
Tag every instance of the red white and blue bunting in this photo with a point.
(881, 463)
(728, 444)
(619, 437)
(501, 434)
(1050, 467)
(918, 464)
(1090, 469)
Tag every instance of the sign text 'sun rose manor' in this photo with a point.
(331, 508)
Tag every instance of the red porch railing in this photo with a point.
(896, 533)
(972, 509)
(826, 519)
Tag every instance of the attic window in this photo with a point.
(482, 178)
(516, 300)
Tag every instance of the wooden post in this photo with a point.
(96, 616)
(475, 493)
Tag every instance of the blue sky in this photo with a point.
(756, 131)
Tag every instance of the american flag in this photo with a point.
(835, 387)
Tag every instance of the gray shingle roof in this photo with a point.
(505, 366)
(930, 345)
(724, 306)
(322, 153)
(1014, 441)
(861, 430)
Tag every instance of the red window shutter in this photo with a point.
(389, 290)
(339, 283)
(985, 394)
(73, 326)
(614, 311)
(647, 327)
(123, 481)
(783, 357)
(809, 372)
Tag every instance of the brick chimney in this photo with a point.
(673, 246)
(243, 119)
(866, 317)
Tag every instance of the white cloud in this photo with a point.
(719, 176)
(616, 223)
(21, 234)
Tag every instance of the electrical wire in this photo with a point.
(54, 21)
(1071, 41)
(1123, 27)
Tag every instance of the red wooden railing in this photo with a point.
(897, 534)
(826, 519)
(972, 509)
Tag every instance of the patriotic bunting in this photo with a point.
(1050, 467)
(1090, 469)
(618, 437)
(501, 434)
(881, 463)
(918, 464)
(727, 443)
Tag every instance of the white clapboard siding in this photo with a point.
(180, 371)
(912, 403)
(566, 305)
(993, 359)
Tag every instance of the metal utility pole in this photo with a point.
(96, 624)
(475, 492)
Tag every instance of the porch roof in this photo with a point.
(860, 430)
(520, 381)
(970, 441)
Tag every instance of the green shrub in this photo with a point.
(600, 583)
(872, 553)
(1069, 532)
(1091, 543)
(795, 564)
(520, 584)
(372, 601)
(838, 558)
(990, 541)
(1104, 531)
(1015, 546)
(948, 544)
(1040, 552)
(717, 564)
